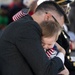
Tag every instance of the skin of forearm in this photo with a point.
(60, 49)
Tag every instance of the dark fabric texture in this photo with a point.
(21, 52)
(64, 42)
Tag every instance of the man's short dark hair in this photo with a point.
(51, 5)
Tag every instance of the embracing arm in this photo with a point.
(60, 48)
(28, 43)
(65, 71)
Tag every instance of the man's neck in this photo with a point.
(37, 18)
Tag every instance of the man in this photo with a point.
(69, 44)
(21, 52)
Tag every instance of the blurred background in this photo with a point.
(8, 8)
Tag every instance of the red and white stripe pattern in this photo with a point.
(18, 15)
(49, 52)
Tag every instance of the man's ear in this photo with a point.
(47, 17)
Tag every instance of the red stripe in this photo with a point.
(49, 52)
(48, 55)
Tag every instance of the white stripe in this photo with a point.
(50, 52)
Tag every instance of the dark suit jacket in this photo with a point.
(21, 52)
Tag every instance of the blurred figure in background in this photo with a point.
(3, 17)
(71, 17)
(31, 6)
(14, 7)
